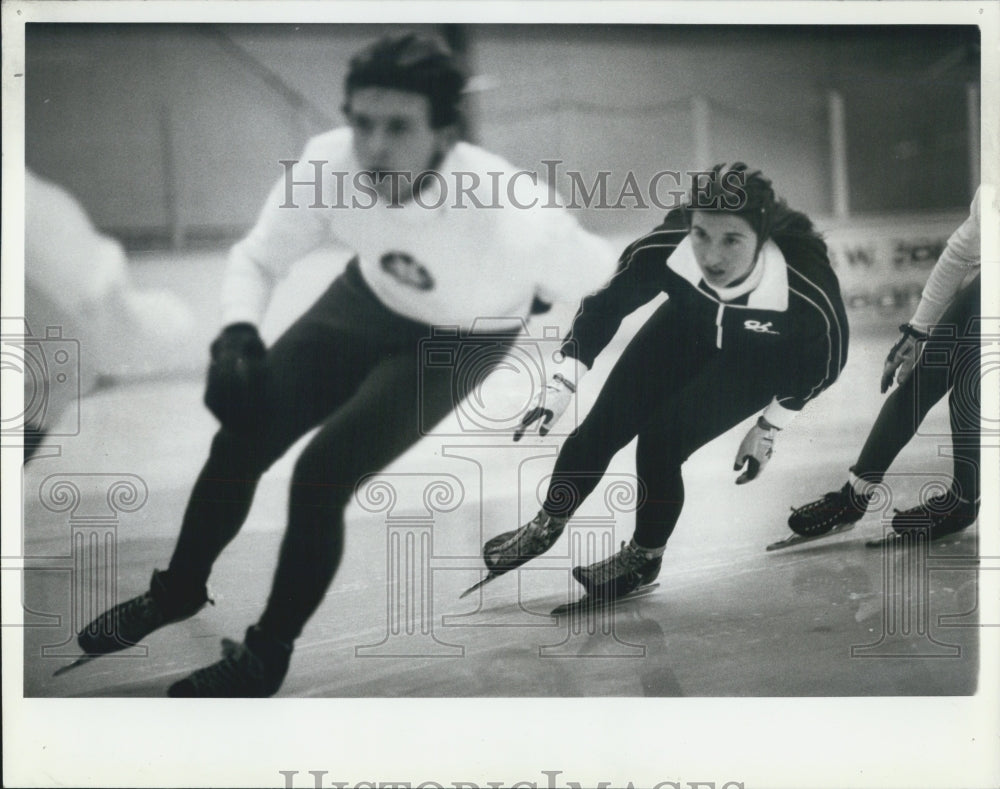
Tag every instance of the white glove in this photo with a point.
(755, 450)
(903, 356)
(550, 404)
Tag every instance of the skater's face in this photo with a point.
(393, 133)
(724, 245)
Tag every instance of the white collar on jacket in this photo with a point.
(768, 288)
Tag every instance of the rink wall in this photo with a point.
(883, 263)
(170, 135)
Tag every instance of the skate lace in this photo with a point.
(836, 497)
(145, 612)
(938, 507)
(139, 613)
(238, 667)
(137, 606)
(122, 626)
(626, 563)
(530, 539)
(835, 504)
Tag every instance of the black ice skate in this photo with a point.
(128, 623)
(510, 550)
(835, 513)
(254, 669)
(626, 574)
(589, 604)
(940, 516)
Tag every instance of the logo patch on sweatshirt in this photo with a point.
(760, 328)
(406, 270)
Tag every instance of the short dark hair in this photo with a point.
(736, 191)
(413, 63)
(740, 191)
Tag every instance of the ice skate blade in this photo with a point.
(590, 603)
(492, 576)
(894, 538)
(886, 539)
(75, 664)
(798, 539)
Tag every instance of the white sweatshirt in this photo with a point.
(960, 256)
(447, 264)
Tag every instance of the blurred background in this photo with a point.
(158, 144)
(169, 136)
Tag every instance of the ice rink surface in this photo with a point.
(828, 618)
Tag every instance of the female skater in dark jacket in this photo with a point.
(754, 322)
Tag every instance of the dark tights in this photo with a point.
(355, 370)
(676, 394)
(949, 364)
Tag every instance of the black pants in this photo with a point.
(354, 368)
(676, 392)
(949, 364)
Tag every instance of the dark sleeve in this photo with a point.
(821, 334)
(637, 281)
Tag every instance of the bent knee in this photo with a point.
(323, 478)
(244, 449)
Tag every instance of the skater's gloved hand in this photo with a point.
(550, 404)
(755, 450)
(903, 356)
(235, 387)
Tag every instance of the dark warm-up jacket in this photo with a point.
(793, 319)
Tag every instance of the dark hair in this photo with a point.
(738, 191)
(413, 63)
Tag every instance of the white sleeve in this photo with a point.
(284, 232)
(66, 258)
(576, 262)
(961, 254)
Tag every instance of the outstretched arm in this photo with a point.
(960, 256)
(637, 281)
(284, 232)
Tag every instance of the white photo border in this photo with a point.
(788, 742)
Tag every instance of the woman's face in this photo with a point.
(724, 246)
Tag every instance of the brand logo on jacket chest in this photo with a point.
(760, 328)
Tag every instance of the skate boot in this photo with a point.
(128, 623)
(254, 669)
(622, 573)
(511, 549)
(838, 508)
(940, 515)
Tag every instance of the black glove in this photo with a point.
(903, 357)
(236, 376)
